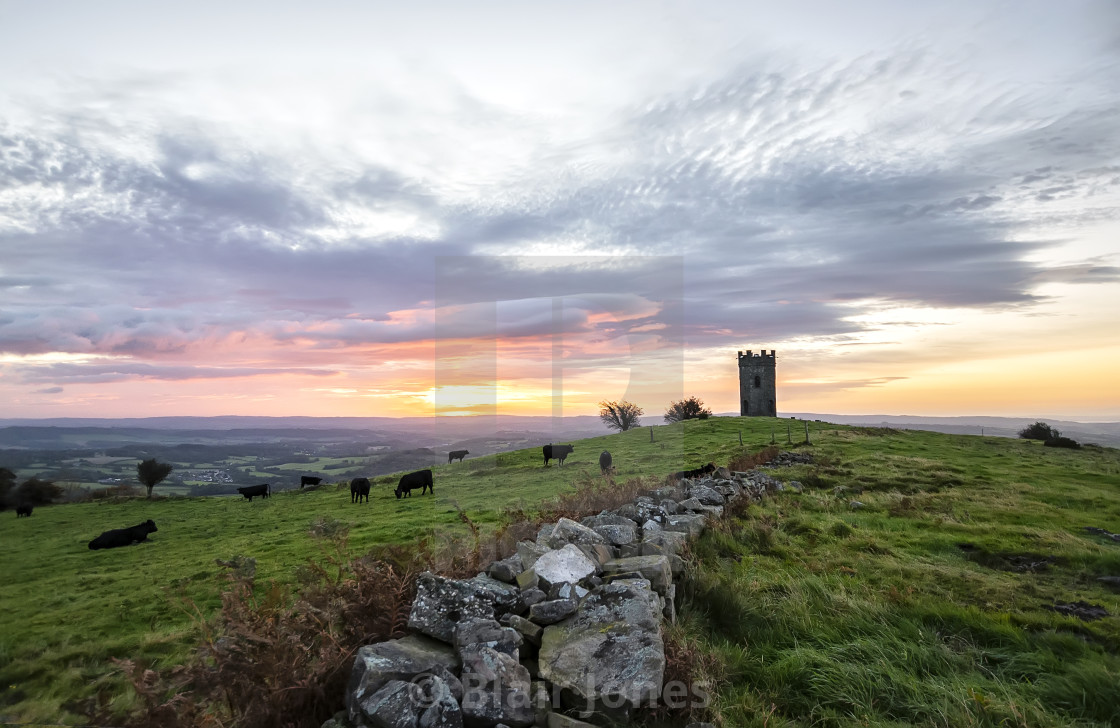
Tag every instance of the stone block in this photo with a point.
(564, 564)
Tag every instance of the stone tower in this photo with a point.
(758, 384)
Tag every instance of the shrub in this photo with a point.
(621, 415)
(35, 492)
(1038, 431)
(687, 409)
(7, 482)
(1059, 441)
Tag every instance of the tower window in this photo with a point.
(757, 382)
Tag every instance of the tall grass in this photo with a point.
(826, 616)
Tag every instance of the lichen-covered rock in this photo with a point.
(402, 659)
(616, 534)
(606, 518)
(496, 689)
(529, 631)
(706, 495)
(564, 564)
(691, 504)
(487, 632)
(610, 652)
(654, 568)
(552, 611)
(598, 552)
(529, 552)
(441, 603)
(567, 590)
(528, 581)
(663, 542)
(568, 531)
(507, 569)
(531, 596)
(422, 704)
(692, 524)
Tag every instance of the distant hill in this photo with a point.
(398, 433)
(1099, 433)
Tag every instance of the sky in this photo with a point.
(454, 208)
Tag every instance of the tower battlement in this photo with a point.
(760, 355)
(758, 383)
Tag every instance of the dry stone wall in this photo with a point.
(565, 633)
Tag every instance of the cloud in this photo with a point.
(774, 201)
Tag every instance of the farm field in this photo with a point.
(811, 612)
(68, 610)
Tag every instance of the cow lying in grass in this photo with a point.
(419, 479)
(359, 488)
(124, 536)
(23, 510)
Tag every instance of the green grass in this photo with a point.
(68, 610)
(827, 616)
(821, 615)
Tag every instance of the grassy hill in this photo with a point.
(911, 610)
(933, 603)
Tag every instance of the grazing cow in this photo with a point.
(359, 488)
(24, 510)
(309, 480)
(457, 454)
(560, 452)
(124, 536)
(420, 479)
(695, 472)
(250, 491)
(605, 464)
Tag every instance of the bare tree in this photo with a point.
(151, 473)
(621, 415)
(687, 409)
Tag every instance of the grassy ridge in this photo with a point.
(68, 610)
(928, 606)
(821, 615)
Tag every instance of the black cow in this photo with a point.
(560, 452)
(24, 510)
(605, 463)
(359, 488)
(309, 480)
(250, 491)
(419, 479)
(124, 536)
(457, 454)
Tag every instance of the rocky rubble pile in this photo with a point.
(570, 625)
(785, 459)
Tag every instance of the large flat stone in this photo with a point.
(441, 603)
(399, 704)
(402, 659)
(567, 564)
(656, 569)
(566, 531)
(610, 653)
(496, 689)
